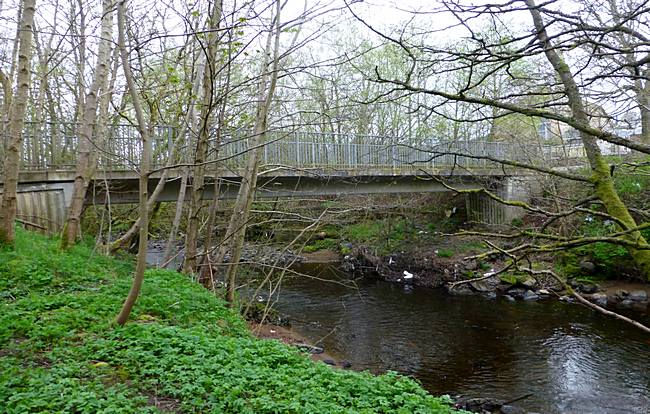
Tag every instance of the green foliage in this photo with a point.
(508, 278)
(321, 244)
(445, 253)
(485, 266)
(385, 234)
(610, 259)
(517, 222)
(630, 184)
(60, 352)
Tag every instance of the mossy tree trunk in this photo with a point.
(601, 177)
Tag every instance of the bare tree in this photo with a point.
(236, 231)
(144, 170)
(206, 108)
(86, 161)
(16, 122)
(537, 94)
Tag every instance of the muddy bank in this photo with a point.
(406, 268)
(290, 337)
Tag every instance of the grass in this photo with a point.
(183, 351)
(386, 235)
(322, 244)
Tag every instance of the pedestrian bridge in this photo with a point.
(293, 164)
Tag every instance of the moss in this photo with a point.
(606, 192)
(323, 244)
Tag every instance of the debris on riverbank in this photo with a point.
(470, 277)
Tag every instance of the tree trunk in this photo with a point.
(16, 123)
(86, 161)
(198, 175)
(236, 232)
(600, 171)
(644, 108)
(125, 240)
(141, 263)
(177, 216)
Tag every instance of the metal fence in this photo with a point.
(53, 147)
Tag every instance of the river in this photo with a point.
(570, 359)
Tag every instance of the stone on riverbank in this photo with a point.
(638, 296)
(599, 299)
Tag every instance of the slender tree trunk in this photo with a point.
(644, 108)
(16, 123)
(212, 212)
(125, 240)
(86, 161)
(198, 175)
(141, 263)
(180, 202)
(177, 216)
(600, 171)
(236, 232)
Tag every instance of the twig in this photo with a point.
(584, 301)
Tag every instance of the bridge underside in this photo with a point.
(44, 200)
(125, 191)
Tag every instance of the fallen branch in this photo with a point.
(584, 301)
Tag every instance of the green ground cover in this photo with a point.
(183, 351)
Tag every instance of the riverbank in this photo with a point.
(425, 266)
(290, 337)
(182, 351)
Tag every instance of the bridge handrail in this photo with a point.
(121, 149)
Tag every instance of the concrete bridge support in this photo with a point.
(483, 209)
(43, 207)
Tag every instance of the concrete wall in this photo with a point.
(483, 209)
(44, 208)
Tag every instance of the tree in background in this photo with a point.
(560, 90)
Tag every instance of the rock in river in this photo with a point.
(620, 295)
(530, 295)
(587, 288)
(638, 296)
(485, 285)
(517, 293)
(599, 299)
(511, 409)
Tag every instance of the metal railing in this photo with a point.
(53, 147)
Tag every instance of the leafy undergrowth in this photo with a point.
(183, 350)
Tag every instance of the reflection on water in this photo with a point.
(570, 359)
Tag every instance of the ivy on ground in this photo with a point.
(183, 351)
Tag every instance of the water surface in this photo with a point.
(570, 359)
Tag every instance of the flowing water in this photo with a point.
(570, 359)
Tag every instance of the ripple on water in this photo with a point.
(571, 360)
